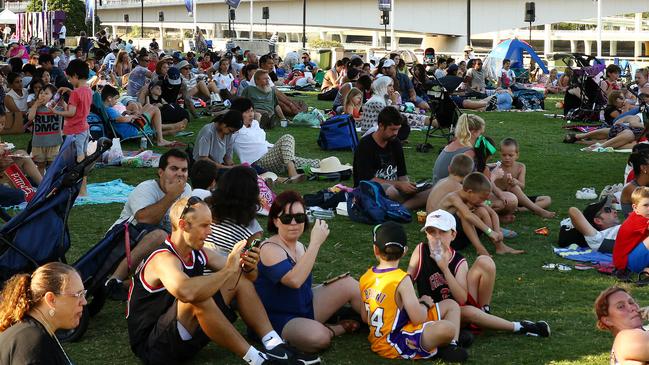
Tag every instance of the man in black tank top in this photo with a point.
(174, 309)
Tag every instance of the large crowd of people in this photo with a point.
(202, 260)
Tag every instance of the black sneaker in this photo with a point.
(115, 290)
(493, 104)
(284, 354)
(452, 353)
(537, 329)
(466, 338)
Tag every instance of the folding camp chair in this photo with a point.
(443, 110)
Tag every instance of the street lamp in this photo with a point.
(141, 19)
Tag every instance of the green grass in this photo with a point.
(523, 290)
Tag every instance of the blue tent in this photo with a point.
(513, 50)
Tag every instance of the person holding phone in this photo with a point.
(296, 310)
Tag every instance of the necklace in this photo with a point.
(46, 324)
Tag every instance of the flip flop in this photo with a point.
(184, 134)
(174, 144)
(549, 267)
(508, 233)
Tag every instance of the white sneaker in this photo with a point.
(567, 223)
(215, 98)
(586, 194)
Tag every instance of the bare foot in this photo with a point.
(163, 142)
(547, 214)
(504, 249)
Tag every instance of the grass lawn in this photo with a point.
(523, 290)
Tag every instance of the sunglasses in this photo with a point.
(288, 218)
(79, 295)
(191, 201)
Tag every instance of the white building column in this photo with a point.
(612, 49)
(376, 39)
(573, 46)
(587, 47)
(637, 45)
(162, 40)
(114, 30)
(547, 39)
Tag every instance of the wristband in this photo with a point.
(489, 231)
(425, 304)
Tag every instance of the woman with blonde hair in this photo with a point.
(33, 307)
(618, 313)
(353, 103)
(122, 68)
(467, 130)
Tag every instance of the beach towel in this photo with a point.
(108, 192)
(582, 254)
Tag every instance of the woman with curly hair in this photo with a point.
(234, 205)
(33, 307)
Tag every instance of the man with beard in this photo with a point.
(379, 157)
(264, 98)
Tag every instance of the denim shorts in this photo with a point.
(81, 143)
(638, 259)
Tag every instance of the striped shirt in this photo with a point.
(227, 233)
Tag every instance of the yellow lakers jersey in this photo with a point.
(379, 295)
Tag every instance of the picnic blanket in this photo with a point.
(108, 192)
(583, 254)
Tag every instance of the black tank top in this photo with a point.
(147, 303)
(430, 279)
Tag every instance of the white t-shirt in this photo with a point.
(250, 143)
(145, 194)
(201, 193)
(109, 59)
(7, 30)
(62, 32)
(223, 82)
(20, 101)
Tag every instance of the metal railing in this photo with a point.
(147, 3)
(16, 6)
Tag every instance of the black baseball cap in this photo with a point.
(388, 234)
(592, 210)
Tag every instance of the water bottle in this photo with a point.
(143, 143)
(437, 250)
(55, 100)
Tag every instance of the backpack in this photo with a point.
(369, 204)
(338, 133)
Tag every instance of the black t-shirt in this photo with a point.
(27, 342)
(153, 45)
(273, 76)
(429, 278)
(370, 160)
(608, 119)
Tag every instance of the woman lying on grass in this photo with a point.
(619, 313)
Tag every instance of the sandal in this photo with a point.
(570, 138)
(508, 233)
(643, 279)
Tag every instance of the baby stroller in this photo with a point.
(591, 100)
(442, 108)
(39, 234)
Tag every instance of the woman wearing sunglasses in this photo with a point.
(35, 306)
(296, 310)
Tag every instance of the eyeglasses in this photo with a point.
(79, 295)
(288, 218)
(191, 201)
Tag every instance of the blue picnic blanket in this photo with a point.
(107, 192)
(582, 254)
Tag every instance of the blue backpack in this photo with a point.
(369, 204)
(338, 133)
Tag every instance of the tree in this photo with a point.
(75, 12)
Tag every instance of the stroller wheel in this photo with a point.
(75, 334)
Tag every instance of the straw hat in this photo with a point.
(331, 164)
(468, 48)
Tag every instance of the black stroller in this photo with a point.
(591, 100)
(442, 108)
(39, 234)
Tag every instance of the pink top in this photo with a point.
(81, 98)
(16, 50)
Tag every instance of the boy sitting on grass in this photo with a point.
(513, 180)
(631, 249)
(461, 165)
(402, 325)
(471, 215)
(443, 273)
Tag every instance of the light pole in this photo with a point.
(304, 24)
(599, 29)
(141, 19)
(468, 22)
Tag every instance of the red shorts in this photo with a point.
(476, 330)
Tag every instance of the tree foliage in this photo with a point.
(75, 13)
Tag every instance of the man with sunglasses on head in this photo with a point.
(174, 309)
(148, 209)
(598, 224)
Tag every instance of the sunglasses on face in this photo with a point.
(191, 201)
(288, 218)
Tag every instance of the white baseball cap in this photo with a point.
(388, 63)
(440, 219)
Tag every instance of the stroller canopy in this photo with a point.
(511, 49)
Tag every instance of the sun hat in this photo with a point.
(173, 75)
(440, 219)
(388, 63)
(182, 64)
(468, 48)
(331, 164)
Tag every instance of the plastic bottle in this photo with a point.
(437, 250)
(143, 143)
(55, 100)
